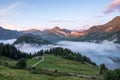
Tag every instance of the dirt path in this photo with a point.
(71, 74)
(38, 62)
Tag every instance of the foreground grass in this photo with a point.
(16, 74)
(8, 60)
(52, 62)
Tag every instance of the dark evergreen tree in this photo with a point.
(103, 69)
(21, 64)
(11, 52)
(111, 75)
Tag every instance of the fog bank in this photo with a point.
(10, 41)
(105, 52)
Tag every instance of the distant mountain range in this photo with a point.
(109, 31)
(9, 34)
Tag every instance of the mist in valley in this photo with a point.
(105, 52)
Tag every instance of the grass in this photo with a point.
(16, 74)
(52, 62)
(32, 61)
(8, 60)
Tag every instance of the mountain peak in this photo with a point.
(56, 28)
(114, 22)
(117, 17)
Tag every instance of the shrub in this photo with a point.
(21, 64)
(103, 69)
(113, 75)
(0, 62)
(5, 63)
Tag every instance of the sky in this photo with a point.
(45, 14)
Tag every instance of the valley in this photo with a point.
(60, 40)
(97, 52)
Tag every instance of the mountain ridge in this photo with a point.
(9, 34)
(108, 31)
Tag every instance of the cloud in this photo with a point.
(113, 6)
(21, 27)
(59, 21)
(85, 27)
(11, 27)
(9, 10)
(97, 52)
(10, 41)
(98, 16)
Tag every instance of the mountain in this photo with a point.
(111, 26)
(60, 32)
(109, 31)
(9, 34)
(32, 39)
(55, 34)
(33, 31)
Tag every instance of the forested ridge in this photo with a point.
(13, 53)
(67, 54)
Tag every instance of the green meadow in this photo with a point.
(50, 62)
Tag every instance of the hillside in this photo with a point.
(50, 63)
(109, 31)
(13, 74)
(56, 64)
(32, 39)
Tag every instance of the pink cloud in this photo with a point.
(113, 6)
(98, 16)
(60, 21)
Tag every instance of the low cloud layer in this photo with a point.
(105, 52)
(11, 41)
(100, 53)
(113, 6)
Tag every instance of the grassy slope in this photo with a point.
(57, 63)
(51, 62)
(5, 59)
(15, 74)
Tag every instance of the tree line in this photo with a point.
(12, 52)
(67, 54)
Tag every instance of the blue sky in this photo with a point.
(69, 14)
